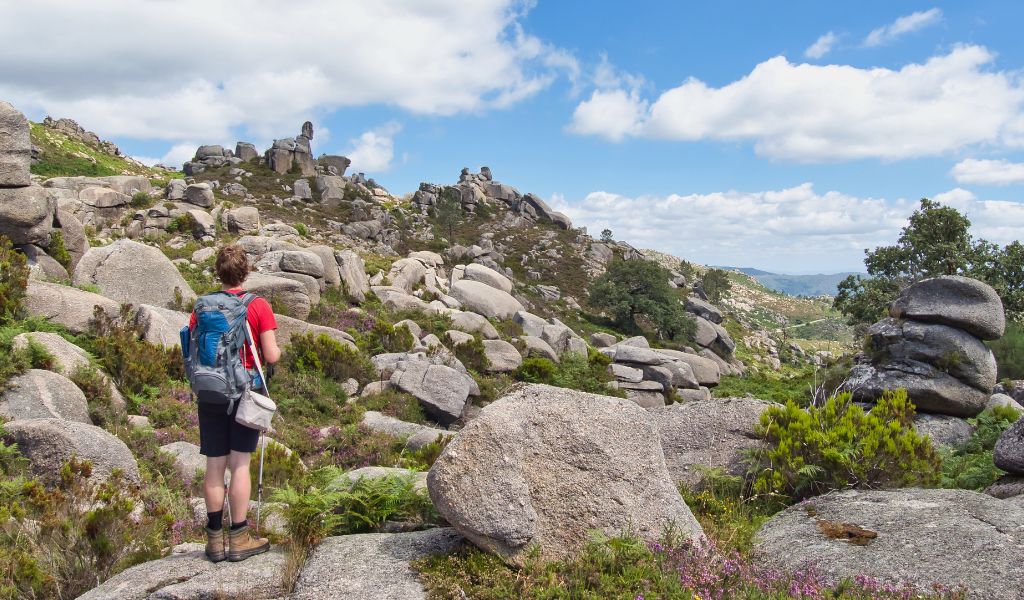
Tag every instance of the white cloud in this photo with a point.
(903, 25)
(795, 229)
(822, 46)
(240, 67)
(175, 157)
(372, 151)
(820, 113)
(988, 172)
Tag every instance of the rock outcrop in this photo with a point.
(39, 394)
(27, 211)
(955, 538)
(544, 466)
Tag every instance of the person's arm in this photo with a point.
(268, 343)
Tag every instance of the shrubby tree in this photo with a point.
(13, 280)
(606, 235)
(716, 285)
(936, 241)
(448, 211)
(636, 293)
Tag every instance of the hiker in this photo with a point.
(226, 443)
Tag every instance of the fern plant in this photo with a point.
(972, 466)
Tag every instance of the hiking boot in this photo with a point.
(215, 545)
(242, 544)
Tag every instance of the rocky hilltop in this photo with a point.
(446, 341)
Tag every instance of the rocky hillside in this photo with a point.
(453, 406)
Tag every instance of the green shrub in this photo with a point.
(13, 280)
(783, 385)
(839, 445)
(322, 354)
(331, 505)
(183, 223)
(536, 370)
(726, 513)
(472, 355)
(971, 466)
(97, 393)
(133, 363)
(395, 404)
(385, 337)
(302, 229)
(58, 250)
(1009, 351)
(141, 200)
(281, 466)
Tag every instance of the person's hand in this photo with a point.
(269, 371)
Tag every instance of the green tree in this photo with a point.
(606, 235)
(936, 241)
(716, 285)
(448, 211)
(636, 293)
(13, 280)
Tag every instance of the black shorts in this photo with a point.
(219, 433)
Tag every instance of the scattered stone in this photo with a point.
(187, 461)
(372, 566)
(345, 480)
(485, 300)
(602, 340)
(49, 443)
(289, 293)
(15, 148)
(243, 220)
(441, 390)
(523, 474)
(501, 356)
(944, 430)
(199, 194)
(38, 394)
(416, 436)
(958, 539)
(474, 323)
(1009, 451)
(352, 271)
(535, 346)
(27, 214)
(1003, 400)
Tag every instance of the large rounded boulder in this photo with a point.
(130, 272)
(708, 434)
(485, 300)
(49, 443)
(544, 467)
(955, 538)
(39, 394)
(71, 307)
(959, 302)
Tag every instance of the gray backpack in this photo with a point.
(213, 349)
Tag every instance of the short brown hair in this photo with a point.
(232, 265)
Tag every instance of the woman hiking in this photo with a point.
(226, 443)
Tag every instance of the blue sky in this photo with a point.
(785, 136)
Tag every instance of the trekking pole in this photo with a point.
(259, 481)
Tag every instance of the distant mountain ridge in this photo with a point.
(821, 284)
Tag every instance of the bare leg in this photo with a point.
(213, 483)
(241, 487)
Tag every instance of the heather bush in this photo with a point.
(395, 404)
(13, 280)
(133, 363)
(575, 371)
(627, 567)
(96, 388)
(839, 445)
(327, 356)
(536, 370)
(61, 542)
(971, 466)
(281, 466)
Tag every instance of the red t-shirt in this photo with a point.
(261, 318)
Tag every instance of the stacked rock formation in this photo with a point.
(27, 211)
(656, 377)
(474, 189)
(932, 346)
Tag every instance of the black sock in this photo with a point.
(237, 526)
(215, 520)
